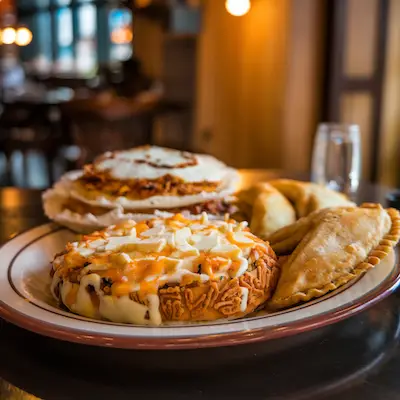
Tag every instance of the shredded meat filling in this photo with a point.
(214, 207)
(167, 185)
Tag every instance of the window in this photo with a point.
(75, 36)
(120, 21)
(65, 38)
(87, 39)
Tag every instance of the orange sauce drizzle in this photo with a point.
(232, 240)
(150, 287)
(234, 267)
(188, 279)
(125, 276)
(137, 273)
(141, 227)
(70, 298)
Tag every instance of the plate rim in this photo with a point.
(76, 335)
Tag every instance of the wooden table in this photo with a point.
(355, 359)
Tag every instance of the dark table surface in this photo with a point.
(358, 358)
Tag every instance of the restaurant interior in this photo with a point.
(200, 199)
(247, 82)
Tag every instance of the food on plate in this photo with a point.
(166, 269)
(265, 208)
(272, 205)
(308, 197)
(285, 240)
(331, 247)
(140, 183)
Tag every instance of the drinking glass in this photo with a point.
(336, 161)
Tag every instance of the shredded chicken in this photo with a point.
(169, 185)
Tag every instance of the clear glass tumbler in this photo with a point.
(336, 160)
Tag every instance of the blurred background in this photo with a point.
(245, 80)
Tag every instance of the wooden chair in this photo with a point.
(30, 127)
(109, 123)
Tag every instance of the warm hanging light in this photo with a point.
(24, 36)
(237, 7)
(8, 35)
(122, 35)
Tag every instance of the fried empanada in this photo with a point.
(340, 245)
(308, 197)
(285, 240)
(266, 208)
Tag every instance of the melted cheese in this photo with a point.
(155, 162)
(154, 312)
(123, 309)
(84, 304)
(244, 300)
(140, 257)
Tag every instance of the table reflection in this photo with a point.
(319, 364)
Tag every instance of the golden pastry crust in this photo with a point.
(285, 240)
(342, 245)
(308, 197)
(220, 299)
(266, 209)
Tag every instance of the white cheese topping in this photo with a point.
(138, 257)
(123, 309)
(152, 162)
(245, 297)
(154, 313)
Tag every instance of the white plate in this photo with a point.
(25, 300)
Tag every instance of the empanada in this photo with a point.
(342, 244)
(266, 208)
(308, 197)
(285, 240)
